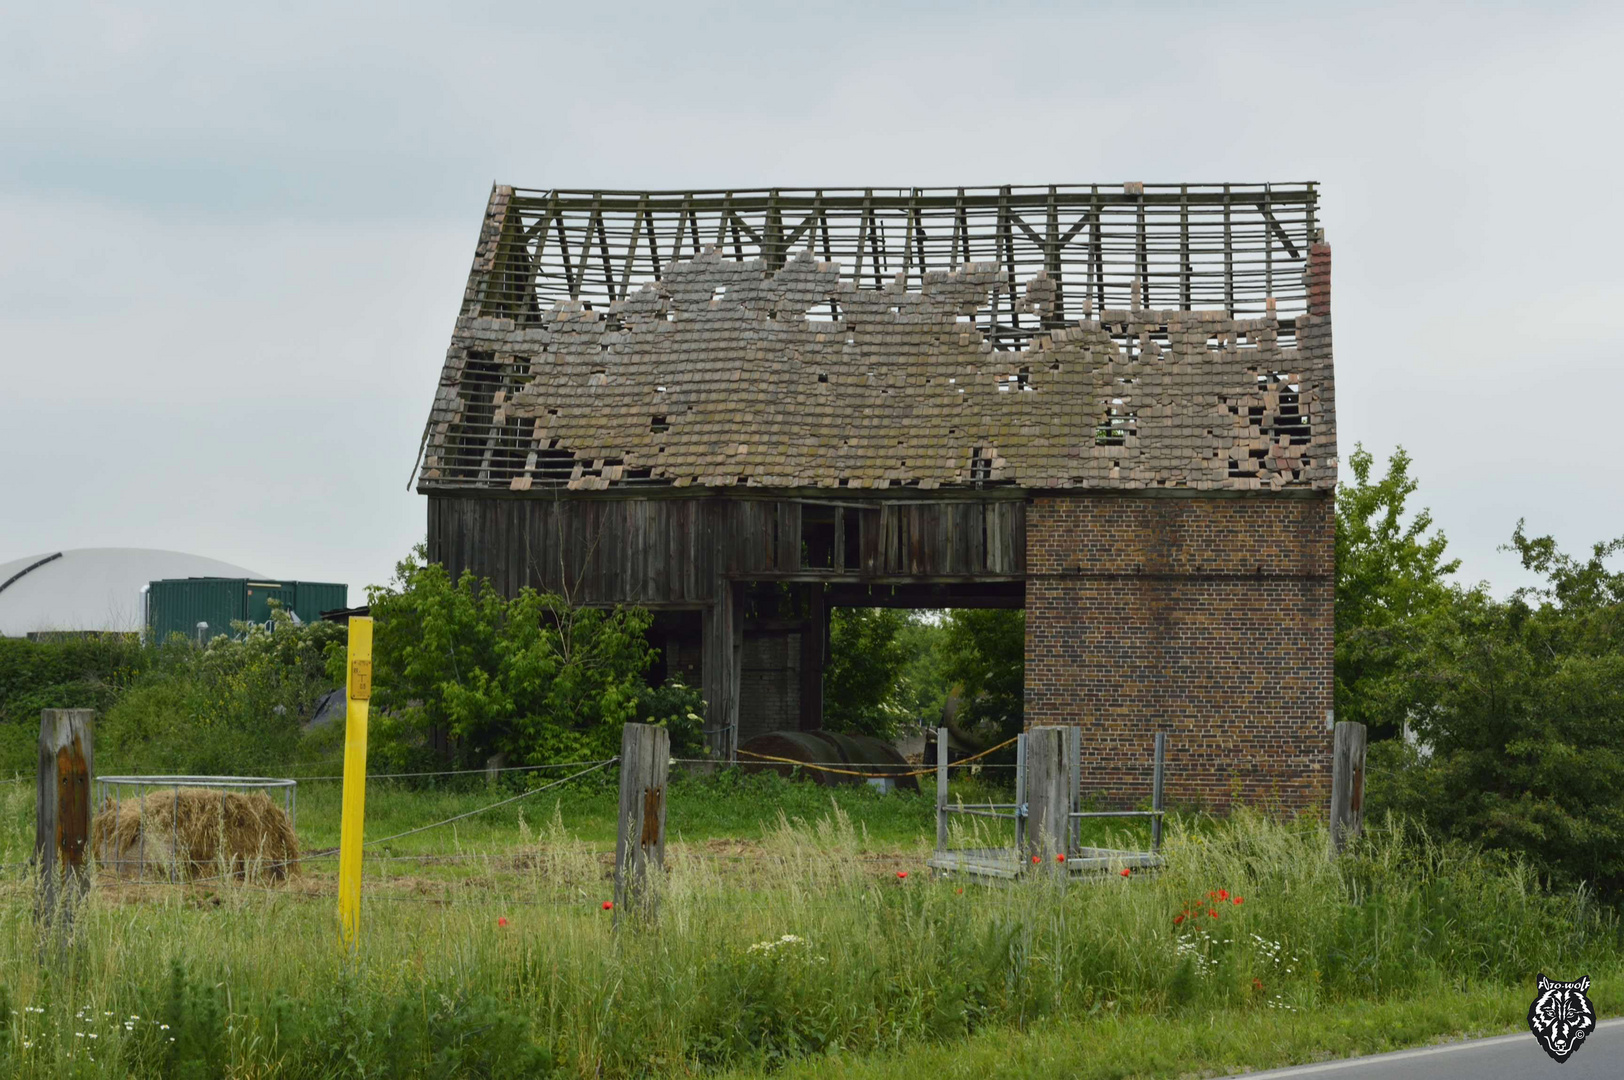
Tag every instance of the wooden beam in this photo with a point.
(1347, 784)
(813, 633)
(645, 759)
(62, 813)
(1048, 797)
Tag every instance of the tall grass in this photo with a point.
(801, 945)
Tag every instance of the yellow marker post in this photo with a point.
(357, 694)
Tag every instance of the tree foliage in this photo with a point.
(1392, 582)
(461, 672)
(236, 706)
(1521, 731)
(862, 682)
(984, 656)
(77, 671)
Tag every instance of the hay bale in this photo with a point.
(197, 832)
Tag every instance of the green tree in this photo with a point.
(923, 685)
(984, 655)
(461, 672)
(867, 656)
(1391, 585)
(1522, 736)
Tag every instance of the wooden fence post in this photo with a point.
(1347, 784)
(941, 789)
(62, 812)
(1048, 794)
(1157, 789)
(645, 761)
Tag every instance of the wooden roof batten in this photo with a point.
(866, 340)
(1192, 246)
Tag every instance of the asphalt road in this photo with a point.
(1507, 1057)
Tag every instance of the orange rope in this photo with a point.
(876, 775)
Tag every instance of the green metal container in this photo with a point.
(202, 608)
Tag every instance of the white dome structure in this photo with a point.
(92, 588)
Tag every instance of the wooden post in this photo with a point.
(941, 789)
(1157, 781)
(62, 812)
(1347, 784)
(1020, 793)
(352, 821)
(645, 760)
(723, 643)
(1074, 778)
(1047, 794)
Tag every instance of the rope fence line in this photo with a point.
(592, 768)
(454, 772)
(494, 805)
(830, 766)
(456, 817)
(878, 775)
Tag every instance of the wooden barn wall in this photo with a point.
(672, 551)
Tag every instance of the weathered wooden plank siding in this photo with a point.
(673, 551)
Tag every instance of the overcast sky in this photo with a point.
(233, 238)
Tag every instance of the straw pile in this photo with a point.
(197, 832)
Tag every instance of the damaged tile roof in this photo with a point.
(727, 374)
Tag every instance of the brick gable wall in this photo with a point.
(1207, 618)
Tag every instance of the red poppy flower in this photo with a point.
(1177, 919)
(608, 905)
(1126, 871)
(901, 874)
(1213, 912)
(501, 920)
(961, 892)
(1060, 857)
(1036, 859)
(1238, 900)
(1257, 984)
(1223, 894)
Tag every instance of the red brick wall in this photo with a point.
(1207, 618)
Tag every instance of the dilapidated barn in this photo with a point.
(1110, 405)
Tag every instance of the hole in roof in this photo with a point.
(657, 425)
(980, 464)
(1117, 423)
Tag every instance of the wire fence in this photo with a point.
(237, 877)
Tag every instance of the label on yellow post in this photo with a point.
(360, 679)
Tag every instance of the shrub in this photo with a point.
(235, 706)
(90, 671)
(461, 673)
(1520, 725)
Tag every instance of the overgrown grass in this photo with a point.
(250, 982)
